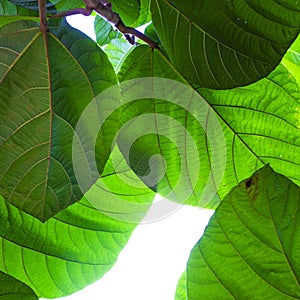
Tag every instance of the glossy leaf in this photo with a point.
(39, 112)
(11, 289)
(78, 245)
(250, 249)
(105, 32)
(259, 125)
(227, 43)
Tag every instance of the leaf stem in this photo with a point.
(43, 15)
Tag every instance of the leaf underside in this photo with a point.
(250, 248)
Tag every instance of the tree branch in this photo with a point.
(104, 9)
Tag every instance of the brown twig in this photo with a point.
(104, 9)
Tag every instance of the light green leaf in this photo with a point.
(12, 289)
(46, 82)
(81, 243)
(250, 249)
(181, 288)
(226, 43)
(116, 51)
(292, 59)
(105, 32)
(254, 125)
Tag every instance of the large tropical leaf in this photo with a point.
(251, 247)
(52, 6)
(10, 13)
(259, 125)
(11, 289)
(226, 43)
(46, 81)
(181, 288)
(81, 243)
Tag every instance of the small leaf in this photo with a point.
(105, 32)
(250, 249)
(10, 288)
(116, 50)
(226, 43)
(181, 288)
(81, 243)
(292, 59)
(39, 112)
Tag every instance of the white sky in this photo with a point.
(150, 265)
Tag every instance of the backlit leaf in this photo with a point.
(250, 249)
(226, 43)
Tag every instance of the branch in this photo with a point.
(104, 9)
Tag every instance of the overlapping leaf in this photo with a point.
(10, 288)
(10, 13)
(81, 243)
(227, 43)
(105, 32)
(116, 51)
(250, 249)
(259, 123)
(52, 6)
(45, 84)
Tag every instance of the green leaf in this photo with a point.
(116, 51)
(105, 32)
(52, 6)
(253, 126)
(10, 13)
(11, 289)
(181, 288)
(226, 43)
(145, 14)
(292, 59)
(128, 10)
(250, 249)
(151, 33)
(81, 243)
(39, 112)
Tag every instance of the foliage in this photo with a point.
(89, 135)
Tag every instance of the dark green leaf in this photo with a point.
(105, 32)
(10, 13)
(128, 10)
(52, 6)
(250, 249)
(46, 82)
(12, 289)
(81, 243)
(226, 43)
(151, 33)
(259, 125)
